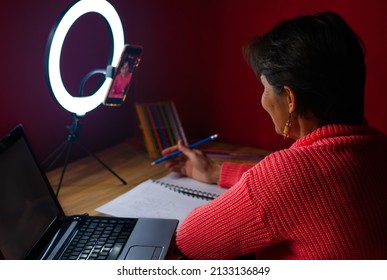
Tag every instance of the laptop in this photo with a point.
(33, 224)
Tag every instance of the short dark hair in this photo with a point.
(321, 58)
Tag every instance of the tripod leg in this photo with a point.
(58, 152)
(64, 167)
(102, 163)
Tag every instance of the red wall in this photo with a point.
(192, 55)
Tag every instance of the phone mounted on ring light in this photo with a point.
(122, 75)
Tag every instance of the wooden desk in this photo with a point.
(88, 185)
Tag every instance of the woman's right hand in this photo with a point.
(193, 163)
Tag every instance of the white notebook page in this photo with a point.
(152, 199)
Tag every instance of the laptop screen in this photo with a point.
(26, 205)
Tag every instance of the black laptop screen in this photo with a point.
(26, 205)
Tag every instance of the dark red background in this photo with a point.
(192, 55)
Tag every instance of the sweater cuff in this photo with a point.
(230, 173)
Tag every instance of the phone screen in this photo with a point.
(123, 75)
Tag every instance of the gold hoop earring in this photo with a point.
(287, 127)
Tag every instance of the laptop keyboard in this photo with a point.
(99, 239)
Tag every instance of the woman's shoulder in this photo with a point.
(340, 134)
(329, 147)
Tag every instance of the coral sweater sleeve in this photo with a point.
(230, 173)
(225, 215)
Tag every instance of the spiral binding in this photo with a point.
(187, 191)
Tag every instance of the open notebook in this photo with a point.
(171, 197)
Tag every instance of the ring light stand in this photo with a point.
(80, 105)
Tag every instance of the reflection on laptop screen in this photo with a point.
(26, 208)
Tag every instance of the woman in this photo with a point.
(121, 81)
(325, 196)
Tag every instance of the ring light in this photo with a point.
(82, 104)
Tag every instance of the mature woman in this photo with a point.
(325, 196)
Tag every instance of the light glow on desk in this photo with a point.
(84, 104)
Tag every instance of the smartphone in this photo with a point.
(123, 75)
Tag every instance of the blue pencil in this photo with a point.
(178, 152)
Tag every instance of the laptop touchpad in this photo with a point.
(144, 253)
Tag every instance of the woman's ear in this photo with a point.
(290, 98)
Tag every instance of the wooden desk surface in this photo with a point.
(88, 185)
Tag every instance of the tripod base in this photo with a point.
(66, 146)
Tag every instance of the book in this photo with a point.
(145, 126)
(161, 126)
(172, 197)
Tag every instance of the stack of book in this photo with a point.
(161, 126)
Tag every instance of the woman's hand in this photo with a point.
(193, 163)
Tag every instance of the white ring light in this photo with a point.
(81, 105)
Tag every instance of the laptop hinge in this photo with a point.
(59, 244)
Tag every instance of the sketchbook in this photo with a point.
(172, 196)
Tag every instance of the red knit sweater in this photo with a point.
(323, 198)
